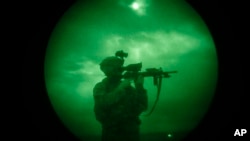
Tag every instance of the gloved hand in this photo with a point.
(124, 84)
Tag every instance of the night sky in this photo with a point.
(161, 33)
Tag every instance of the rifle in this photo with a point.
(157, 74)
(150, 72)
(133, 71)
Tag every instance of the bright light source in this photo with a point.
(135, 6)
(169, 135)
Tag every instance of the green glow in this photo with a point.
(167, 34)
(169, 135)
(135, 6)
(139, 7)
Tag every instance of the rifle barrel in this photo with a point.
(147, 73)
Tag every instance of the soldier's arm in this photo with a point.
(141, 95)
(107, 99)
(142, 99)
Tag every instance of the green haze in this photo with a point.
(158, 33)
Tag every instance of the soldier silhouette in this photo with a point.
(118, 104)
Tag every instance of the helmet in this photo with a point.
(113, 62)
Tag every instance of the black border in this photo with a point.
(42, 123)
(228, 110)
(225, 115)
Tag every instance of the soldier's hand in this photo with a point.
(125, 83)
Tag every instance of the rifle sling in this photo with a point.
(157, 96)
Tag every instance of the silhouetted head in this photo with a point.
(112, 66)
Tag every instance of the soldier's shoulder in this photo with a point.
(100, 84)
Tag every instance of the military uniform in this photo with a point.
(118, 112)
